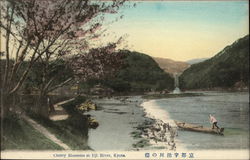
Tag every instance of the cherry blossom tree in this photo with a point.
(97, 63)
(46, 30)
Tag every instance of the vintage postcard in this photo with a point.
(110, 80)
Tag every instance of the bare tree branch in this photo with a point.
(60, 85)
(7, 64)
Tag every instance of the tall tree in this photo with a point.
(98, 63)
(35, 30)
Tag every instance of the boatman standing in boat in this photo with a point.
(213, 121)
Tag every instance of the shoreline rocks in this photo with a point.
(159, 134)
(87, 106)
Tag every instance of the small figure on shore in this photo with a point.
(213, 121)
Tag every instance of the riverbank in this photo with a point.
(24, 130)
(73, 131)
(171, 95)
(131, 123)
(18, 134)
(220, 89)
(21, 132)
(123, 125)
(163, 132)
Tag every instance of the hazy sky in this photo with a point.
(183, 30)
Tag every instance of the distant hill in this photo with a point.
(171, 66)
(229, 68)
(140, 73)
(197, 60)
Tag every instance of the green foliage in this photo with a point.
(76, 120)
(117, 84)
(72, 131)
(229, 66)
(18, 134)
(139, 73)
(42, 73)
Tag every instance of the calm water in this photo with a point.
(116, 122)
(230, 109)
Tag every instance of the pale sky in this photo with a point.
(182, 30)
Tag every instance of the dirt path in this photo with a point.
(45, 132)
(59, 113)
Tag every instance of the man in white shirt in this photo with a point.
(213, 121)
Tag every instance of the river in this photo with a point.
(117, 119)
(230, 109)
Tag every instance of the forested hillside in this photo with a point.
(228, 68)
(139, 73)
(171, 66)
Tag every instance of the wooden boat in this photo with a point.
(198, 128)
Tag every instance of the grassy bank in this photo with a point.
(18, 134)
(158, 96)
(72, 131)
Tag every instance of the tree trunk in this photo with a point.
(42, 106)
